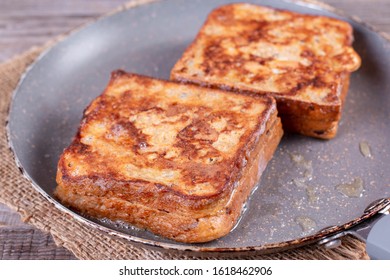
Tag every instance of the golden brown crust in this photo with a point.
(167, 157)
(297, 58)
(314, 120)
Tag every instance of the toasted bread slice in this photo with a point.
(179, 160)
(304, 61)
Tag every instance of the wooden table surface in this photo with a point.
(25, 23)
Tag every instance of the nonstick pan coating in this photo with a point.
(309, 185)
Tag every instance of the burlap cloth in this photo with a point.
(89, 243)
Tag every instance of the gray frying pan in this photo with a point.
(311, 191)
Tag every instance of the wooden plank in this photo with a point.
(373, 12)
(26, 243)
(44, 8)
(21, 241)
(27, 23)
(9, 217)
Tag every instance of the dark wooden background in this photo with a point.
(25, 23)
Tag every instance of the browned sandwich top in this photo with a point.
(260, 49)
(185, 139)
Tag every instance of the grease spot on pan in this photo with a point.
(354, 189)
(307, 224)
(365, 149)
(299, 160)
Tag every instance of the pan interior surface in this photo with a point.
(309, 185)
